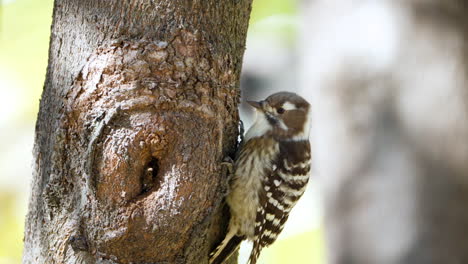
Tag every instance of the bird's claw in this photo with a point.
(228, 165)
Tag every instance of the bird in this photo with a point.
(270, 174)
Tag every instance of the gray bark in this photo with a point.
(139, 109)
(388, 86)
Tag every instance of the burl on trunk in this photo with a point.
(138, 111)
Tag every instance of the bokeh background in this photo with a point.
(270, 65)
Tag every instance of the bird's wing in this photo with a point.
(283, 186)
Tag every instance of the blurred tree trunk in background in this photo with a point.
(388, 82)
(139, 109)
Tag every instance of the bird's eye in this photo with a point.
(280, 110)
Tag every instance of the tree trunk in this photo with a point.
(138, 111)
(390, 125)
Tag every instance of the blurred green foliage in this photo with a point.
(277, 17)
(262, 9)
(11, 229)
(24, 41)
(305, 248)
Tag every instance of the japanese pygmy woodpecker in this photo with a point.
(271, 172)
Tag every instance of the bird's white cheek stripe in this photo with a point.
(259, 128)
(288, 106)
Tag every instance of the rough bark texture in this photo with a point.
(388, 84)
(139, 109)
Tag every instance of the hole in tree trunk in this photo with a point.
(149, 177)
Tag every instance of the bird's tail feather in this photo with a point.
(229, 245)
(255, 253)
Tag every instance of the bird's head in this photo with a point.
(283, 115)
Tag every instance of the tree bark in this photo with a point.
(388, 86)
(139, 109)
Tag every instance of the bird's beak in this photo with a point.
(256, 105)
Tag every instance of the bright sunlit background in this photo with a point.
(270, 65)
